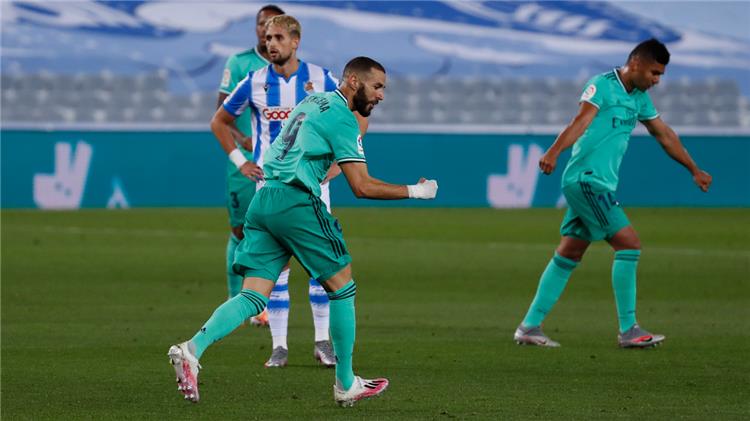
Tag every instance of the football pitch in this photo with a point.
(91, 301)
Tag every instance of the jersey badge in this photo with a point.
(225, 79)
(588, 93)
(360, 148)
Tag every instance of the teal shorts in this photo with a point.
(239, 193)
(285, 221)
(593, 211)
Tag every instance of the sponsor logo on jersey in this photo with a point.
(309, 88)
(588, 93)
(628, 123)
(276, 113)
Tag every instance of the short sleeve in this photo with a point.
(346, 143)
(239, 99)
(646, 109)
(594, 93)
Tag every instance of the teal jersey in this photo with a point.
(236, 69)
(599, 151)
(320, 130)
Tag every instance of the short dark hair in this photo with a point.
(361, 65)
(651, 49)
(269, 7)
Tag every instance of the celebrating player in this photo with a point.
(271, 92)
(610, 106)
(287, 218)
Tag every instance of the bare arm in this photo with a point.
(566, 138)
(365, 187)
(221, 127)
(672, 145)
(239, 137)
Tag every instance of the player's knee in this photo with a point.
(571, 253)
(338, 280)
(627, 239)
(238, 233)
(572, 250)
(634, 244)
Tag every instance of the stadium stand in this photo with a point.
(145, 98)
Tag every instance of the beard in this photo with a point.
(281, 60)
(361, 103)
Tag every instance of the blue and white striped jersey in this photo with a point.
(271, 98)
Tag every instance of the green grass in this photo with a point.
(91, 301)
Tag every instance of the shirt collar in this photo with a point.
(296, 72)
(617, 75)
(342, 96)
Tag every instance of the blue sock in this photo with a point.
(343, 330)
(234, 281)
(551, 286)
(623, 283)
(227, 317)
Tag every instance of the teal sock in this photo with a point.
(343, 326)
(234, 281)
(623, 284)
(551, 286)
(227, 317)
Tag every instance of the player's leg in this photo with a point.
(323, 350)
(239, 193)
(551, 286)
(578, 229)
(238, 196)
(261, 259)
(185, 356)
(320, 306)
(317, 242)
(278, 320)
(234, 280)
(607, 220)
(348, 388)
(249, 302)
(627, 247)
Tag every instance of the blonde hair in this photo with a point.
(289, 23)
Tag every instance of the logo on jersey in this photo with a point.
(360, 148)
(628, 122)
(225, 79)
(265, 87)
(309, 87)
(588, 93)
(276, 113)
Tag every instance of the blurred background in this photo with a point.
(107, 103)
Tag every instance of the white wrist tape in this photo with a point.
(237, 157)
(426, 190)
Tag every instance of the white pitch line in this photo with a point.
(115, 231)
(518, 246)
